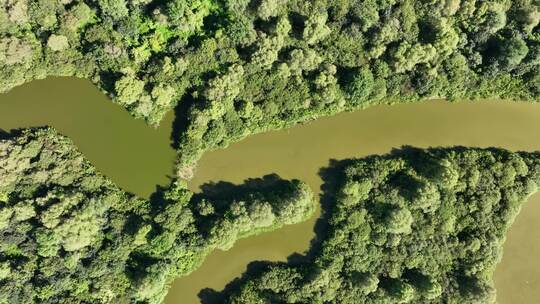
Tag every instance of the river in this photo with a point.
(133, 155)
(138, 158)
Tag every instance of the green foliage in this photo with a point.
(333, 56)
(315, 28)
(69, 235)
(361, 85)
(115, 9)
(129, 89)
(242, 67)
(222, 91)
(79, 16)
(416, 226)
(188, 15)
(398, 221)
(512, 52)
(58, 42)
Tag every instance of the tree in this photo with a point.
(43, 13)
(188, 16)
(303, 60)
(446, 38)
(129, 89)
(315, 28)
(18, 11)
(367, 283)
(163, 96)
(495, 18)
(366, 12)
(511, 52)
(222, 91)
(398, 220)
(407, 56)
(5, 270)
(79, 16)
(361, 85)
(451, 7)
(268, 49)
(58, 42)
(115, 9)
(529, 16)
(269, 8)
(15, 50)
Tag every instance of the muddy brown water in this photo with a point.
(138, 158)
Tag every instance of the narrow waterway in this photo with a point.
(517, 277)
(135, 156)
(138, 158)
(301, 151)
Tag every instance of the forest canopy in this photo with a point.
(236, 67)
(416, 226)
(69, 235)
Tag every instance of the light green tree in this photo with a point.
(57, 42)
(129, 89)
(270, 8)
(315, 28)
(222, 91)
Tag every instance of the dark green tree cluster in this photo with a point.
(238, 67)
(69, 235)
(417, 226)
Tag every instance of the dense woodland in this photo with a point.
(236, 67)
(412, 227)
(69, 235)
(417, 226)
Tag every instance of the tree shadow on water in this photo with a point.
(332, 177)
(228, 190)
(222, 194)
(13, 133)
(4, 134)
(181, 119)
(211, 296)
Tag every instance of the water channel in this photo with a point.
(138, 158)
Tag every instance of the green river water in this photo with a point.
(138, 158)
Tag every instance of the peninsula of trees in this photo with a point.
(69, 235)
(416, 226)
(236, 67)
